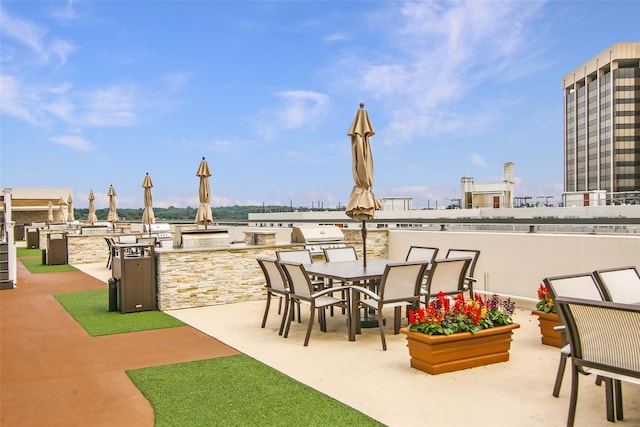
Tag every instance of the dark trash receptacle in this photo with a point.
(44, 257)
(113, 294)
(134, 269)
(57, 248)
(18, 232)
(33, 238)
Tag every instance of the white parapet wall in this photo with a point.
(509, 264)
(516, 263)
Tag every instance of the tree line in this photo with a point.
(172, 213)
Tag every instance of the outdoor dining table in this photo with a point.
(353, 272)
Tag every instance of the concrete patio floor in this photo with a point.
(384, 386)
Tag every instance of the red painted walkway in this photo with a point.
(52, 373)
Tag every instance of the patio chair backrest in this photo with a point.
(447, 275)
(582, 285)
(127, 238)
(402, 281)
(619, 284)
(299, 282)
(421, 253)
(148, 240)
(463, 253)
(273, 274)
(346, 253)
(603, 334)
(303, 256)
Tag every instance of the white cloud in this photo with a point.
(477, 160)
(33, 36)
(335, 37)
(66, 13)
(302, 108)
(39, 105)
(111, 106)
(73, 141)
(227, 145)
(176, 80)
(16, 101)
(436, 53)
(62, 49)
(25, 32)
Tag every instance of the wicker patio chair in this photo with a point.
(605, 340)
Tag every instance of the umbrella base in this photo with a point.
(371, 321)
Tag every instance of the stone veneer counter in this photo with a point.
(196, 277)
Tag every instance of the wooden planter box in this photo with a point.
(436, 354)
(547, 321)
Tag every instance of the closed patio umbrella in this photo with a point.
(92, 209)
(70, 217)
(61, 204)
(362, 203)
(204, 215)
(147, 215)
(113, 215)
(50, 213)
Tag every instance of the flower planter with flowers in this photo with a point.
(449, 336)
(547, 318)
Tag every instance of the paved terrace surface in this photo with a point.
(54, 374)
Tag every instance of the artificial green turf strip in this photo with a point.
(91, 310)
(34, 265)
(238, 391)
(20, 252)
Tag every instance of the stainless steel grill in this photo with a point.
(189, 237)
(318, 238)
(161, 231)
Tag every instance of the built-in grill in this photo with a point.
(318, 238)
(161, 231)
(192, 238)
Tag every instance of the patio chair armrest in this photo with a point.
(330, 290)
(366, 291)
(559, 328)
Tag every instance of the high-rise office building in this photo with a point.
(602, 125)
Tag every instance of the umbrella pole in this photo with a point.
(364, 242)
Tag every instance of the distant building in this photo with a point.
(396, 204)
(602, 126)
(489, 195)
(31, 205)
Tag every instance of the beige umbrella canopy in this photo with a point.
(113, 215)
(70, 217)
(50, 213)
(204, 215)
(147, 215)
(362, 203)
(61, 204)
(92, 209)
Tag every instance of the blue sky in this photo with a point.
(99, 93)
